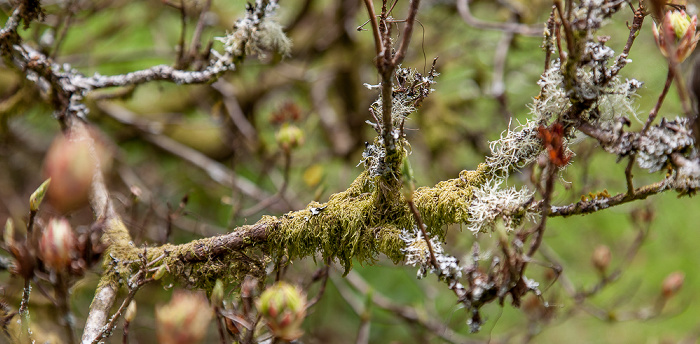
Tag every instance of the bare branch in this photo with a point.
(407, 33)
(525, 30)
(375, 27)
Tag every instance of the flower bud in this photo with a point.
(71, 167)
(289, 137)
(185, 319)
(679, 27)
(672, 284)
(601, 258)
(57, 244)
(283, 307)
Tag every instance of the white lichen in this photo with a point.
(515, 149)
(418, 254)
(492, 203)
(256, 34)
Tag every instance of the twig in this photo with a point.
(216, 171)
(628, 175)
(406, 313)
(63, 303)
(321, 291)
(219, 326)
(637, 22)
(179, 60)
(365, 321)
(64, 30)
(525, 30)
(597, 204)
(112, 324)
(375, 27)
(662, 96)
(498, 86)
(617, 273)
(419, 223)
(12, 22)
(24, 311)
(234, 110)
(287, 156)
(567, 26)
(197, 35)
(407, 33)
(546, 198)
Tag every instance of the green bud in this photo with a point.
(289, 137)
(160, 272)
(38, 196)
(283, 307)
(217, 294)
(680, 22)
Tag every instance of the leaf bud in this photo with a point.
(160, 272)
(38, 196)
(601, 258)
(289, 137)
(283, 307)
(682, 29)
(57, 244)
(185, 319)
(672, 284)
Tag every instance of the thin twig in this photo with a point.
(199, 28)
(407, 33)
(63, 305)
(64, 29)
(216, 171)
(568, 33)
(525, 30)
(419, 222)
(219, 326)
(321, 291)
(617, 273)
(628, 175)
(662, 96)
(111, 325)
(546, 198)
(406, 313)
(24, 310)
(375, 27)
(179, 61)
(594, 205)
(287, 157)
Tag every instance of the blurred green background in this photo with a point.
(322, 80)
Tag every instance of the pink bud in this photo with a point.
(57, 245)
(672, 284)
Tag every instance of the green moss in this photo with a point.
(448, 202)
(360, 223)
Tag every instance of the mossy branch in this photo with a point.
(349, 226)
